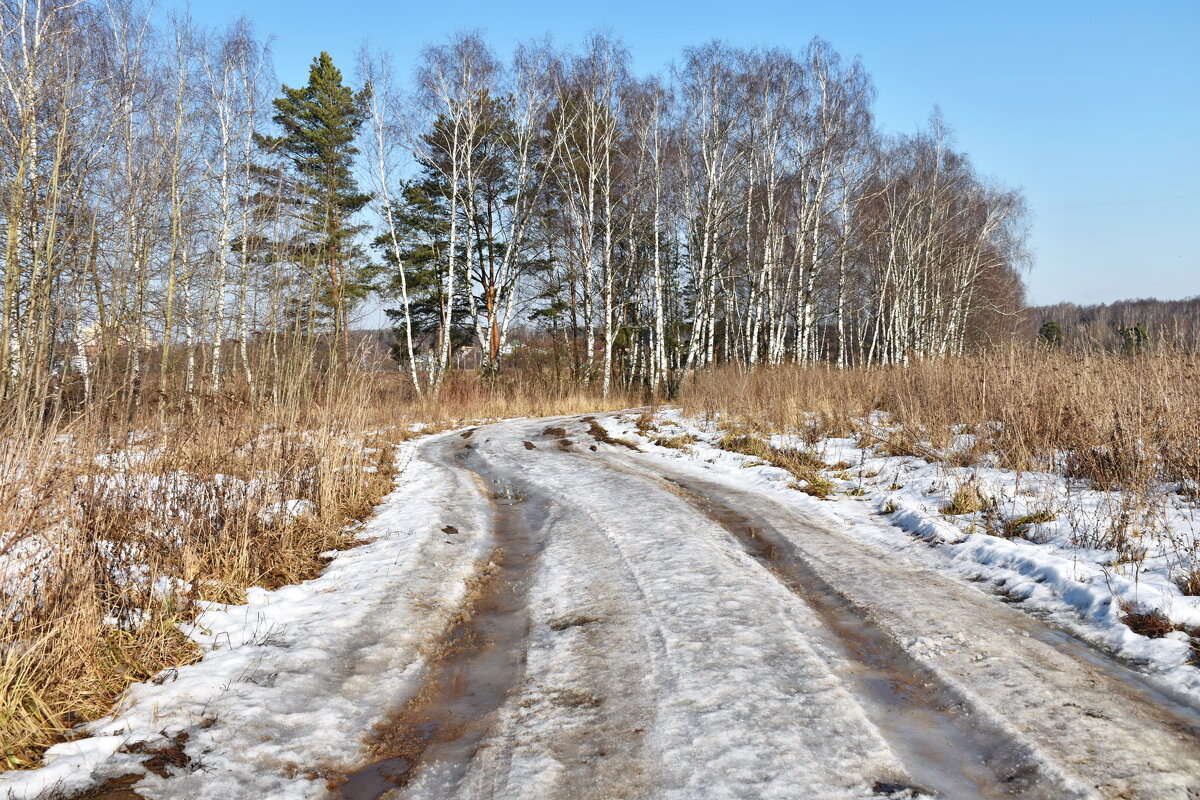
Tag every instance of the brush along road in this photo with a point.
(576, 621)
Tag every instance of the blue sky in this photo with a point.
(1091, 108)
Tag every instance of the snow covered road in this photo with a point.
(567, 619)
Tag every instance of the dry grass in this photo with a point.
(1021, 526)
(1189, 582)
(466, 396)
(674, 442)
(100, 569)
(1118, 422)
(112, 532)
(1128, 427)
(967, 499)
(1153, 624)
(804, 465)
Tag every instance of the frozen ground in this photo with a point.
(542, 613)
(1055, 560)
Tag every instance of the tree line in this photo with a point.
(176, 223)
(1124, 326)
(741, 207)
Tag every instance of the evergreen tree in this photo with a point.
(487, 198)
(422, 224)
(1051, 334)
(1133, 339)
(486, 267)
(320, 122)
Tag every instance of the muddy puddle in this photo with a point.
(479, 661)
(947, 753)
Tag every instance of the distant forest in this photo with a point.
(1173, 324)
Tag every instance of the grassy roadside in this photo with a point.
(112, 531)
(1097, 455)
(112, 534)
(1118, 422)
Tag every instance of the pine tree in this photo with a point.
(421, 215)
(320, 122)
(1133, 339)
(1051, 334)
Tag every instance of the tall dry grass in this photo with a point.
(111, 530)
(1118, 421)
(1123, 430)
(528, 393)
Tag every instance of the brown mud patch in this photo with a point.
(470, 671)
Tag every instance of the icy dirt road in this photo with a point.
(576, 621)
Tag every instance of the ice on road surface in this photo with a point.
(543, 613)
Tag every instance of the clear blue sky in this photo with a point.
(1091, 108)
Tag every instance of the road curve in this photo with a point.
(641, 631)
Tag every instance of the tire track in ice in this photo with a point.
(944, 750)
(471, 670)
(1069, 703)
(753, 711)
(574, 725)
(576, 728)
(253, 728)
